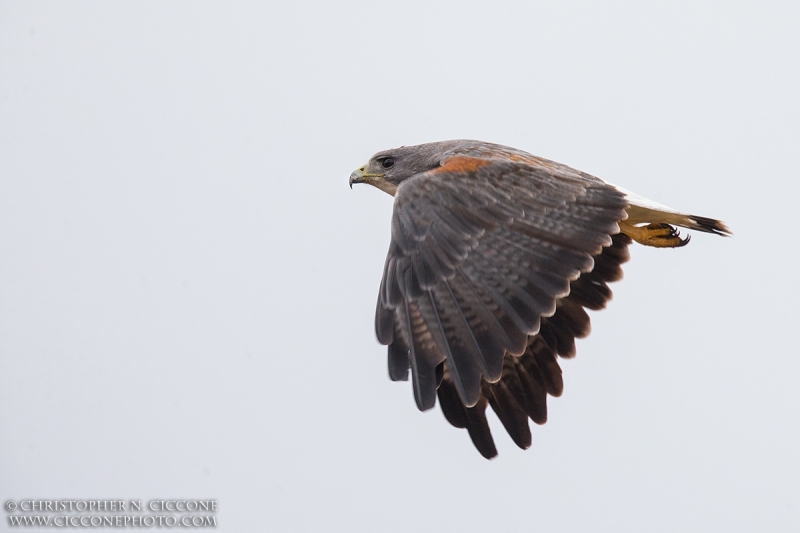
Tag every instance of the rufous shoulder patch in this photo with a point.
(462, 164)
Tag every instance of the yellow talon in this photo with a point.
(656, 235)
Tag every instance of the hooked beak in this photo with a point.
(362, 176)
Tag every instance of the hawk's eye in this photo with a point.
(388, 162)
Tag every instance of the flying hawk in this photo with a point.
(495, 256)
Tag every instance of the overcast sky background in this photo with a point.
(187, 284)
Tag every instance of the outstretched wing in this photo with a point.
(527, 380)
(484, 250)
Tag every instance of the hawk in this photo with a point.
(494, 258)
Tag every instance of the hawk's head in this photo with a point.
(387, 169)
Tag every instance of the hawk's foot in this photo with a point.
(657, 235)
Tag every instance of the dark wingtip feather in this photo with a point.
(424, 389)
(398, 361)
(544, 362)
(511, 415)
(471, 418)
(528, 389)
(451, 405)
(478, 429)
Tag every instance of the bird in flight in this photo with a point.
(494, 258)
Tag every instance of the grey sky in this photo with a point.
(187, 284)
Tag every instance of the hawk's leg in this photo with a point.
(657, 235)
